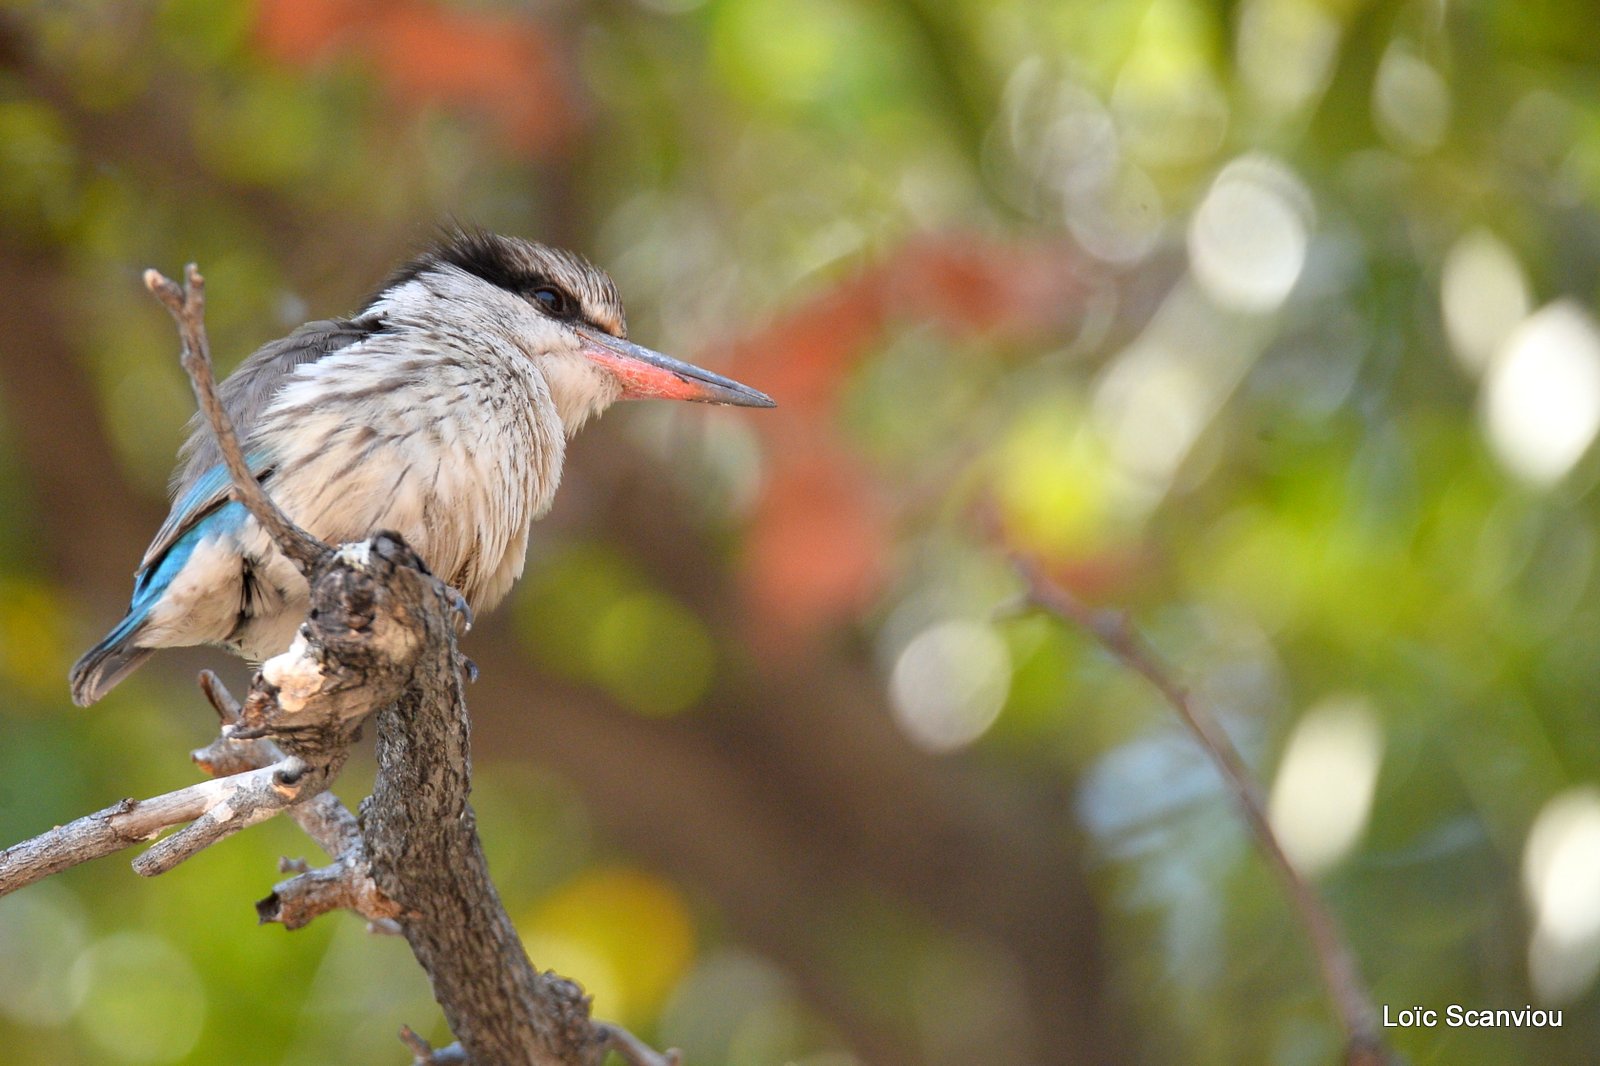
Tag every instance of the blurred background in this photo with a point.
(1269, 320)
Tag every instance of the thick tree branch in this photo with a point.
(1116, 633)
(323, 817)
(422, 839)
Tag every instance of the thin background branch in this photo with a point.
(1116, 633)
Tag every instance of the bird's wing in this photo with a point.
(248, 390)
(202, 481)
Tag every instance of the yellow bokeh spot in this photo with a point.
(33, 653)
(38, 188)
(563, 602)
(591, 614)
(780, 48)
(1052, 480)
(624, 935)
(1174, 43)
(652, 654)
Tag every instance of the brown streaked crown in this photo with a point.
(522, 267)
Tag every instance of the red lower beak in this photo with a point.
(648, 374)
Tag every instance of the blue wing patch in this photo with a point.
(208, 491)
(152, 581)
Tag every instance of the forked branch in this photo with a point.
(210, 811)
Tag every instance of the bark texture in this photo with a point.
(423, 846)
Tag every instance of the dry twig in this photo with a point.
(425, 1054)
(633, 1051)
(211, 810)
(188, 306)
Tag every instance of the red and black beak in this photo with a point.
(645, 374)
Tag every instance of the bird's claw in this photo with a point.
(463, 612)
(458, 604)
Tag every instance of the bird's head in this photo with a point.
(564, 312)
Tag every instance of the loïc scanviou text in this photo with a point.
(1455, 1016)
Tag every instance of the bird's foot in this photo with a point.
(459, 604)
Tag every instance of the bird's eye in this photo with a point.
(553, 300)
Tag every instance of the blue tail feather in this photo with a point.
(119, 654)
(109, 661)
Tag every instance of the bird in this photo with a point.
(440, 410)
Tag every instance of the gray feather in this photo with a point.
(244, 395)
(248, 390)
